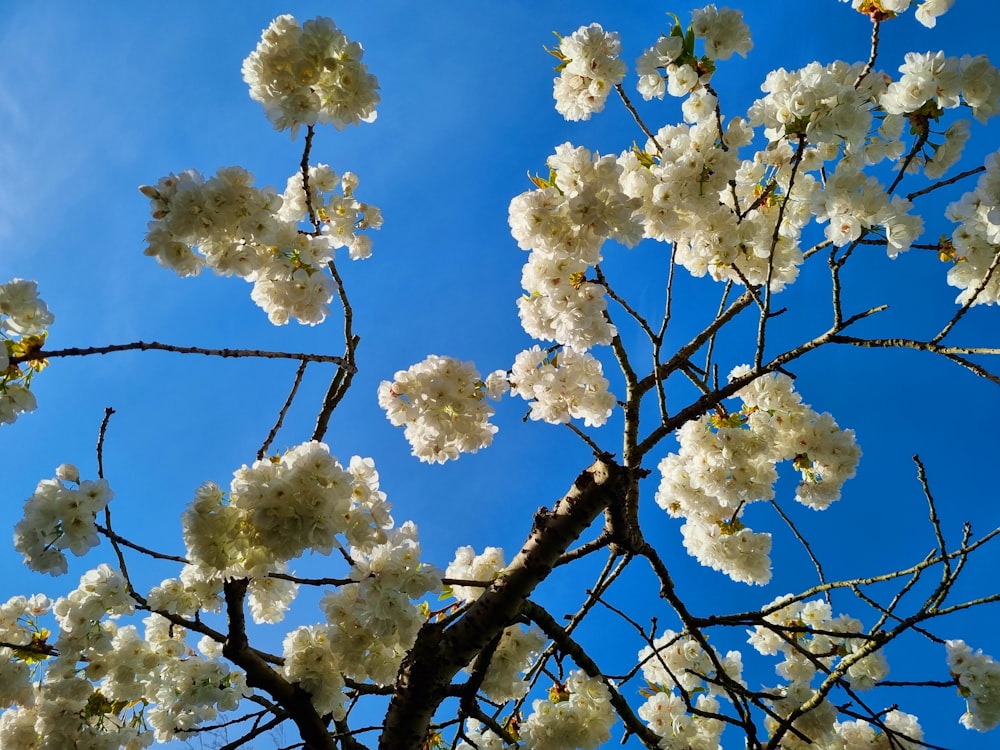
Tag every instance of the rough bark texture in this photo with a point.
(442, 650)
(259, 674)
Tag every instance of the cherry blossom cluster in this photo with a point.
(899, 731)
(976, 240)
(139, 687)
(253, 233)
(808, 636)
(277, 509)
(280, 507)
(564, 223)
(819, 726)
(441, 405)
(728, 461)
(853, 203)
(813, 642)
(978, 678)
(19, 626)
(927, 12)
(515, 653)
(562, 386)
(671, 65)
(185, 687)
(24, 318)
(577, 715)
(340, 215)
(309, 74)
(59, 516)
(104, 675)
(67, 709)
(686, 181)
(469, 566)
(944, 82)
(679, 661)
(818, 101)
(589, 69)
(370, 624)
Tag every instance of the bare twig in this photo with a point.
(284, 410)
(157, 346)
(632, 110)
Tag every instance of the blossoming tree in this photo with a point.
(694, 416)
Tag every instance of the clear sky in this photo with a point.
(96, 99)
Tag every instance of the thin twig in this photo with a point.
(284, 410)
(943, 183)
(157, 346)
(342, 380)
(970, 301)
(635, 115)
(804, 542)
(876, 25)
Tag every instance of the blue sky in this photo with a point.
(94, 102)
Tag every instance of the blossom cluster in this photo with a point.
(515, 653)
(927, 12)
(671, 65)
(978, 678)
(67, 709)
(468, 566)
(24, 318)
(19, 618)
(808, 636)
(687, 178)
(277, 508)
(853, 203)
(562, 386)
(137, 687)
(577, 715)
(589, 69)
(975, 242)
(945, 82)
(812, 641)
(441, 405)
(310, 73)
(677, 667)
(726, 462)
(100, 676)
(370, 624)
(899, 731)
(60, 515)
(564, 223)
(253, 233)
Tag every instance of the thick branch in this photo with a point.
(442, 649)
(296, 701)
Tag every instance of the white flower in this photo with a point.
(569, 385)
(26, 313)
(469, 566)
(580, 718)
(310, 74)
(978, 679)
(441, 405)
(57, 518)
(929, 11)
(728, 461)
(723, 30)
(590, 70)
